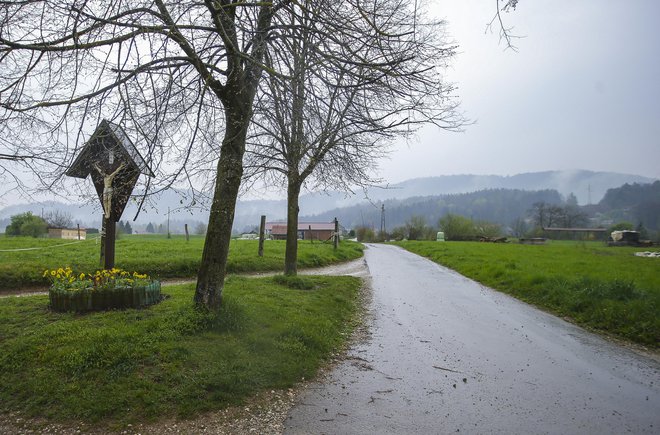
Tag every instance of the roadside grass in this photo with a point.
(600, 287)
(155, 255)
(119, 367)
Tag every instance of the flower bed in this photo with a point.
(103, 290)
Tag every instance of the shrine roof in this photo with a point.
(81, 165)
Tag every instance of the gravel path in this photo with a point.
(349, 268)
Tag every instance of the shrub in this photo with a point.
(487, 229)
(26, 224)
(398, 233)
(620, 226)
(457, 227)
(417, 229)
(365, 234)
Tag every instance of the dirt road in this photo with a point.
(447, 355)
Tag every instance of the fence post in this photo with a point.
(336, 241)
(262, 232)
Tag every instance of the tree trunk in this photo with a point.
(237, 97)
(291, 254)
(212, 271)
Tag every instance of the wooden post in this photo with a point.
(185, 227)
(110, 233)
(311, 236)
(262, 232)
(102, 257)
(168, 223)
(336, 239)
(78, 231)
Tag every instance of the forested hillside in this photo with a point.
(636, 203)
(501, 206)
(494, 198)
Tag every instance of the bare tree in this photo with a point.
(539, 213)
(58, 219)
(354, 76)
(573, 216)
(180, 76)
(519, 227)
(555, 215)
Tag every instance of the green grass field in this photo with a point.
(155, 255)
(118, 367)
(604, 288)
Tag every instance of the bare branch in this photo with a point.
(506, 33)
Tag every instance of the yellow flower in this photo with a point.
(53, 273)
(82, 276)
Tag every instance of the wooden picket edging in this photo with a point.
(88, 300)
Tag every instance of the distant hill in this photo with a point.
(501, 206)
(588, 186)
(582, 183)
(636, 203)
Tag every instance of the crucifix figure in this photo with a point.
(107, 188)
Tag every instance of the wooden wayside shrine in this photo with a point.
(115, 165)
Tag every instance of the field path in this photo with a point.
(448, 355)
(349, 268)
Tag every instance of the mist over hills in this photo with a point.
(500, 206)
(588, 186)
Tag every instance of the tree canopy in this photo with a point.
(181, 79)
(26, 224)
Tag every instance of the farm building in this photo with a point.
(306, 230)
(67, 233)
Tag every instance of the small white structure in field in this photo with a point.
(67, 233)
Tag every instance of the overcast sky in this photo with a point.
(581, 92)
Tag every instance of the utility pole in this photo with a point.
(168, 223)
(382, 221)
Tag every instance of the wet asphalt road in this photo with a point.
(448, 355)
